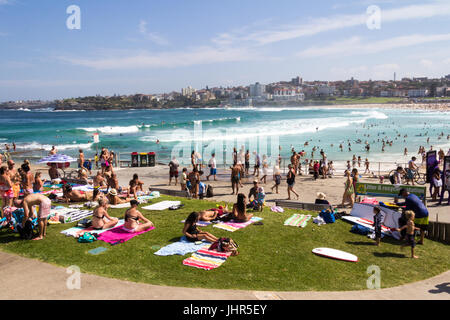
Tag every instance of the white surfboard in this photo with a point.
(335, 254)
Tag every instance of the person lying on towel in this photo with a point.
(213, 214)
(100, 218)
(192, 232)
(70, 195)
(133, 218)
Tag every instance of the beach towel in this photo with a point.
(119, 235)
(233, 226)
(297, 220)
(68, 215)
(120, 206)
(200, 223)
(181, 247)
(276, 209)
(206, 259)
(78, 231)
(162, 205)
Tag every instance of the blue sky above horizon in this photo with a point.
(139, 46)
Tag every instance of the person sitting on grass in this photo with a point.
(139, 184)
(100, 218)
(239, 212)
(132, 218)
(114, 199)
(410, 232)
(191, 231)
(44, 203)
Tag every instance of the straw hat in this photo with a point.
(113, 192)
(321, 196)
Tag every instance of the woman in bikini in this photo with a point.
(191, 231)
(6, 187)
(132, 218)
(239, 212)
(100, 213)
(38, 184)
(349, 190)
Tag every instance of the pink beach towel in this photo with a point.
(119, 235)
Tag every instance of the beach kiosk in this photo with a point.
(134, 159)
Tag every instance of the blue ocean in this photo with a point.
(268, 130)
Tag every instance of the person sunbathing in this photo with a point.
(100, 218)
(132, 218)
(53, 172)
(191, 231)
(70, 195)
(239, 212)
(113, 197)
(213, 214)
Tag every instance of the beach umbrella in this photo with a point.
(61, 160)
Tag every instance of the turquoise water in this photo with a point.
(208, 130)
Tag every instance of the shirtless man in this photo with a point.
(44, 204)
(53, 172)
(53, 151)
(412, 167)
(81, 159)
(28, 179)
(97, 182)
(70, 195)
(194, 179)
(235, 178)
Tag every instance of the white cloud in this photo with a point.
(355, 45)
(152, 36)
(447, 61)
(336, 22)
(426, 63)
(198, 56)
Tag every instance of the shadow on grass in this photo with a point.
(9, 238)
(362, 243)
(176, 239)
(389, 255)
(441, 288)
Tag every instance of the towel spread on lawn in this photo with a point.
(119, 235)
(181, 247)
(297, 220)
(67, 215)
(162, 205)
(233, 226)
(206, 259)
(78, 231)
(200, 223)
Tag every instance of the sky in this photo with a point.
(150, 46)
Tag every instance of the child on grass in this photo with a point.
(377, 224)
(410, 232)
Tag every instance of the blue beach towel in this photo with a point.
(181, 247)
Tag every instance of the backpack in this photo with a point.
(328, 216)
(209, 191)
(225, 245)
(26, 232)
(359, 229)
(87, 237)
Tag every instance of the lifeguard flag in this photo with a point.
(96, 138)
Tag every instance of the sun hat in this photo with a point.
(321, 195)
(113, 192)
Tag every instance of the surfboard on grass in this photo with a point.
(335, 254)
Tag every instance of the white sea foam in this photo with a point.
(48, 147)
(372, 114)
(112, 130)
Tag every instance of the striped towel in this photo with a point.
(297, 220)
(200, 223)
(233, 226)
(206, 259)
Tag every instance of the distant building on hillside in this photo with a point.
(257, 90)
(187, 92)
(417, 93)
(297, 81)
(287, 94)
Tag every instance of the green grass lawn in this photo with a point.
(272, 256)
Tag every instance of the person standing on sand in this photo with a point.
(53, 151)
(80, 159)
(265, 168)
(367, 164)
(247, 163)
(348, 191)
(235, 178)
(212, 167)
(194, 179)
(291, 182)
(173, 170)
(276, 177)
(257, 164)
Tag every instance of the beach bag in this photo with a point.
(359, 229)
(84, 223)
(87, 237)
(26, 232)
(209, 191)
(327, 216)
(225, 245)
